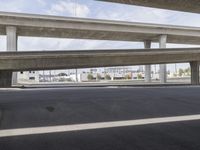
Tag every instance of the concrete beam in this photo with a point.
(79, 28)
(194, 72)
(46, 60)
(147, 44)
(163, 67)
(11, 32)
(179, 5)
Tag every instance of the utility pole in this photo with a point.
(175, 69)
(50, 75)
(75, 2)
(76, 75)
(43, 76)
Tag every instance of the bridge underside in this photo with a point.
(184, 5)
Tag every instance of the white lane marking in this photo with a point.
(10, 89)
(97, 125)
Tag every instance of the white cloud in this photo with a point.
(38, 44)
(12, 6)
(69, 7)
(147, 15)
(42, 2)
(135, 14)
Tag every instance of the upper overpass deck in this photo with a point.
(66, 27)
(180, 5)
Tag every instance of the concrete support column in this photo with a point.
(5, 78)
(194, 72)
(163, 67)
(11, 32)
(147, 44)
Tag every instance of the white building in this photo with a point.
(28, 76)
(117, 70)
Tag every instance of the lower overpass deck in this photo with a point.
(46, 60)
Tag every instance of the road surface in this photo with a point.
(48, 110)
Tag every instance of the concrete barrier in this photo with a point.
(45, 60)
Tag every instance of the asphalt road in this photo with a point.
(25, 108)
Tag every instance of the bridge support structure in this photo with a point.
(147, 44)
(9, 78)
(163, 67)
(194, 72)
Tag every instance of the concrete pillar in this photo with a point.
(194, 72)
(11, 33)
(147, 44)
(163, 67)
(5, 78)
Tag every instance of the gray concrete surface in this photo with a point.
(5, 78)
(66, 27)
(178, 5)
(65, 106)
(147, 44)
(12, 39)
(194, 72)
(18, 61)
(163, 67)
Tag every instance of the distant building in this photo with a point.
(83, 77)
(118, 70)
(93, 70)
(140, 69)
(28, 76)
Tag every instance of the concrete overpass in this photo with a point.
(66, 27)
(14, 24)
(180, 5)
(23, 61)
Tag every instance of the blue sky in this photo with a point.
(97, 10)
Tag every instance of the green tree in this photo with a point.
(62, 74)
(180, 72)
(175, 75)
(107, 77)
(139, 76)
(187, 71)
(98, 76)
(127, 76)
(90, 77)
